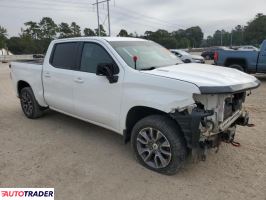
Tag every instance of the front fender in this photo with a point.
(155, 92)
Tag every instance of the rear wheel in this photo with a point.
(158, 144)
(29, 105)
(238, 67)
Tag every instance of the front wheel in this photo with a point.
(158, 144)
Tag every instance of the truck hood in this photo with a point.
(209, 79)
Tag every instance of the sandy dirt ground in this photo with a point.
(83, 161)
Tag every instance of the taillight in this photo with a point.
(216, 56)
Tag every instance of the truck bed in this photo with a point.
(237, 54)
(249, 58)
(32, 61)
(29, 71)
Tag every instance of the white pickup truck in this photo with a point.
(140, 90)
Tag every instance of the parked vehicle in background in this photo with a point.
(140, 90)
(247, 48)
(38, 56)
(187, 57)
(5, 52)
(247, 61)
(209, 53)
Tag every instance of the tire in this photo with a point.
(187, 61)
(165, 155)
(29, 105)
(238, 67)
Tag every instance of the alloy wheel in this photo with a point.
(26, 103)
(154, 148)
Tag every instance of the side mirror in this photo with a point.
(109, 70)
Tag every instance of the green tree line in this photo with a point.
(253, 33)
(3, 37)
(36, 36)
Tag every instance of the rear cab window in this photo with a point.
(65, 55)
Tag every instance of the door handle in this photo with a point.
(79, 80)
(47, 74)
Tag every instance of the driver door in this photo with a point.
(95, 99)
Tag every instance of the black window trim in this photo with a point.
(92, 42)
(77, 67)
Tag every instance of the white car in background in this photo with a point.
(248, 48)
(186, 57)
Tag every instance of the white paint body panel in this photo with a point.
(204, 75)
(32, 74)
(58, 88)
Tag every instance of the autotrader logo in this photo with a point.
(26, 193)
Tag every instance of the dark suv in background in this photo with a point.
(208, 54)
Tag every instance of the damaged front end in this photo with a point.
(211, 120)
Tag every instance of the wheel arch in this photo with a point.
(236, 61)
(137, 113)
(38, 92)
(20, 85)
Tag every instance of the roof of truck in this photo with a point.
(122, 39)
(109, 39)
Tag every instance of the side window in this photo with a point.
(92, 55)
(179, 55)
(65, 55)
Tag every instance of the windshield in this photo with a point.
(147, 54)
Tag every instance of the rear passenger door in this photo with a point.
(58, 78)
(95, 99)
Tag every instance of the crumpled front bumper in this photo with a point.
(191, 123)
(241, 117)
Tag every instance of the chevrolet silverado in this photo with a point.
(166, 109)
